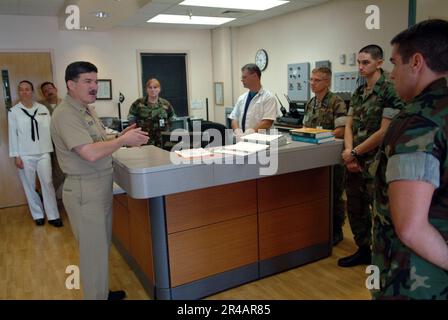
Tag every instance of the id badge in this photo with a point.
(162, 123)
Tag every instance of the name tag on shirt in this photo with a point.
(162, 123)
(42, 114)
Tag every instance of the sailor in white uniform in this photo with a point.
(30, 146)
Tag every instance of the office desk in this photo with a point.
(191, 230)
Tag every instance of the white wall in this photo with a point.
(431, 9)
(322, 32)
(318, 33)
(115, 53)
(222, 71)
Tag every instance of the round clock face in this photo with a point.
(261, 59)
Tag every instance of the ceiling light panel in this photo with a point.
(181, 19)
(235, 4)
(101, 14)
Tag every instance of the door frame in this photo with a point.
(50, 53)
(53, 66)
(187, 71)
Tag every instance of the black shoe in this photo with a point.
(56, 223)
(362, 256)
(116, 295)
(40, 222)
(337, 237)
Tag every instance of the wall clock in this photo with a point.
(261, 59)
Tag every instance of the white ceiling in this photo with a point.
(31, 7)
(135, 13)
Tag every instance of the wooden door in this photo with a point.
(18, 66)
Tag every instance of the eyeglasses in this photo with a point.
(317, 80)
(244, 77)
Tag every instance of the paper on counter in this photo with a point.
(242, 148)
(193, 153)
(262, 137)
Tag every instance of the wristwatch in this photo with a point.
(354, 153)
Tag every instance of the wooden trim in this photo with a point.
(292, 228)
(202, 207)
(120, 227)
(202, 252)
(122, 199)
(140, 235)
(293, 189)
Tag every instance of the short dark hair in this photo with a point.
(252, 68)
(430, 39)
(374, 50)
(28, 82)
(74, 69)
(45, 83)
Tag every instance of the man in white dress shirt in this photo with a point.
(256, 109)
(30, 146)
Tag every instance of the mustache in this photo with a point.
(93, 92)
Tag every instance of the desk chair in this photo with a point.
(209, 132)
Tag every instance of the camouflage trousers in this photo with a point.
(338, 201)
(359, 189)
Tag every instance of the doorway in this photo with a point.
(170, 69)
(15, 67)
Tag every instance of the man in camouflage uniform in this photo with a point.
(372, 107)
(328, 111)
(152, 113)
(410, 227)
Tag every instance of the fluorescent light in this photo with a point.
(101, 14)
(171, 18)
(235, 4)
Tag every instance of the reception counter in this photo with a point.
(193, 229)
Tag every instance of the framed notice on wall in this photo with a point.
(104, 89)
(219, 93)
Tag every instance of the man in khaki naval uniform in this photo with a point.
(85, 157)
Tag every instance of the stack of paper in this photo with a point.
(242, 148)
(280, 139)
(193, 153)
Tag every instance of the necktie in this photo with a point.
(34, 123)
(246, 107)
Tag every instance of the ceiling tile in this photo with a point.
(135, 13)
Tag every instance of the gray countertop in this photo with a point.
(149, 171)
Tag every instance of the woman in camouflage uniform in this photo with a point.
(152, 113)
